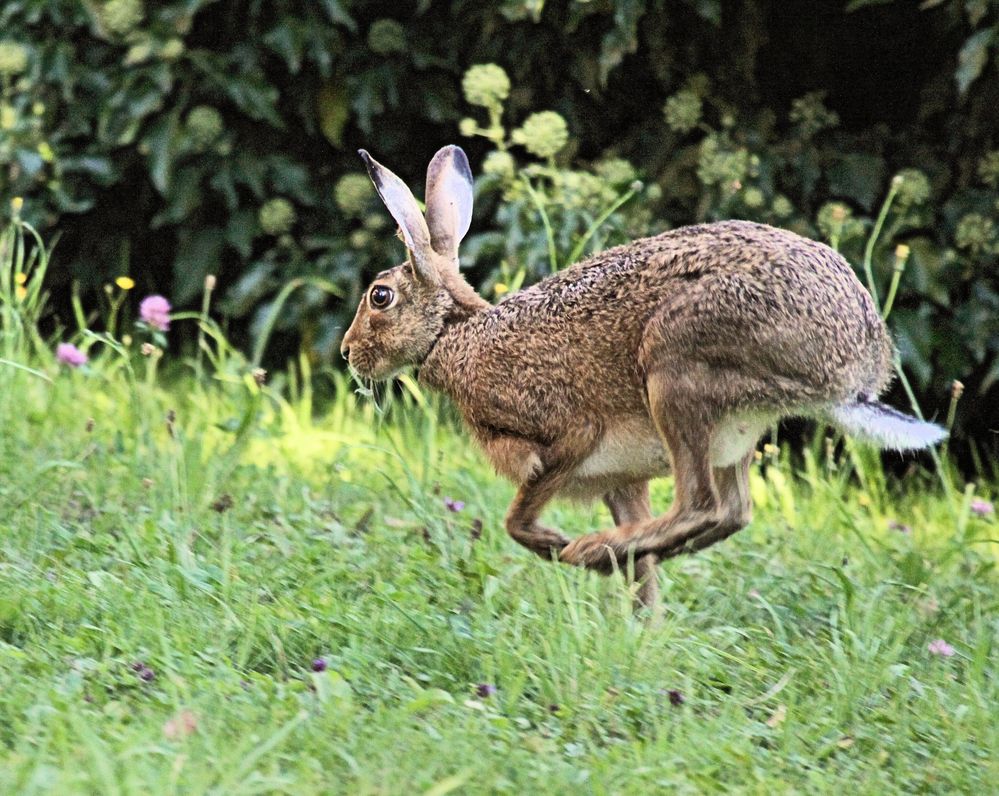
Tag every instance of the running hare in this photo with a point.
(671, 352)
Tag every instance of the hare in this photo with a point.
(670, 353)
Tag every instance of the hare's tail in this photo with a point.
(885, 427)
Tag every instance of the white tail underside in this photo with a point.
(885, 427)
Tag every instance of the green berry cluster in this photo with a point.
(121, 16)
(912, 187)
(836, 222)
(204, 126)
(486, 85)
(542, 134)
(353, 194)
(811, 114)
(988, 168)
(683, 110)
(720, 164)
(386, 36)
(277, 216)
(13, 58)
(977, 234)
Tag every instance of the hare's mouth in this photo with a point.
(365, 369)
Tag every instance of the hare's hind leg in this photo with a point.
(736, 508)
(696, 509)
(630, 504)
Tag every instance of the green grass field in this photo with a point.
(207, 585)
(176, 559)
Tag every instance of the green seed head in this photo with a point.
(913, 187)
(811, 115)
(683, 111)
(353, 194)
(468, 127)
(13, 58)
(204, 126)
(499, 164)
(386, 36)
(782, 206)
(172, 49)
(832, 219)
(616, 171)
(988, 168)
(486, 85)
(121, 16)
(277, 216)
(753, 198)
(542, 134)
(719, 165)
(975, 233)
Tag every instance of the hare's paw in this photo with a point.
(546, 543)
(598, 551)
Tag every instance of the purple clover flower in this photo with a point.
(982, 507)
(155, 312)
(676, 698)
(454, 505)
(319, 665)
(69, 354)
(485, 690)
(941, 648)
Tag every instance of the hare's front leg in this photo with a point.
(522, 517)
(548, 468)
(630, 504)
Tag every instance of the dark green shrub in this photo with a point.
(175, 139)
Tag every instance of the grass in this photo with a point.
(208, 587)
(799, 647)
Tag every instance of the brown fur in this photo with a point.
(678, 348)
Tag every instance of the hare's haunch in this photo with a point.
(672, 352)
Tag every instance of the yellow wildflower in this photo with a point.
(21, 292)
(125, 282)
(902, 252)
(16, 204)
(500, 288)
(20, 277)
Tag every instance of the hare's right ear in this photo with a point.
(402, 205)
(449, 200)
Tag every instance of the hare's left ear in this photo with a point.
(449, 200)
(404, 209)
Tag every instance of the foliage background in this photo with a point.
(184, 138)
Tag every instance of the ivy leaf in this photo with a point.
(855, 5)
(333, 107)
(160, 143)
(338, 15)
(859, 177)
(197, 256)
(623, 39)
(286, 42)
(711, 10)
(972, 59)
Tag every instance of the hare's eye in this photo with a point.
(381, 296)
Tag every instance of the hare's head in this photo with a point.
(405, 308)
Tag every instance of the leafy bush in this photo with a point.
(175, 140)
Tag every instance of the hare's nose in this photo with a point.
(345, 351)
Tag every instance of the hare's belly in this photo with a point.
(630, 450)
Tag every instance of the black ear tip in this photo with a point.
(364, 154)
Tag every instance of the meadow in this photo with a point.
(208, 584)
